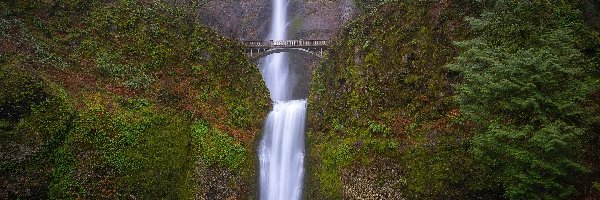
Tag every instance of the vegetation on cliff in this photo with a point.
(510, 111)
(123, 99)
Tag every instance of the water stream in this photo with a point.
(281, 151)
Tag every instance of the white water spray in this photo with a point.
(281, 150)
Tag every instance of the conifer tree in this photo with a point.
(524, 79)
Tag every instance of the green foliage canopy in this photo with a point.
(524, 80)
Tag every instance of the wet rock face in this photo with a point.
(244, 20)
(319, 19)
(308, 19)
(315, 19)
(250, 19)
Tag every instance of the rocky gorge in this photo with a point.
(249, 20)
(449, 99)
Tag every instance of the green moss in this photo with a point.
(63, 183)
(146, 152)
(133, 148)
(447, 170)
(35, 120)
(385, 87)
(217, 148)
(139, 74)
(20, 92)
(336, 153)
(166, 161)
(334, 157)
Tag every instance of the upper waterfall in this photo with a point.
(275, 68)
(281, 151)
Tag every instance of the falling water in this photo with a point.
(281, 150)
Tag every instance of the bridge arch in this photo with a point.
(260, 55)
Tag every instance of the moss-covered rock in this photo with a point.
(383, 93)
(105, 98)
(35, 117)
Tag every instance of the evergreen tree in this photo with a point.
(524, 79)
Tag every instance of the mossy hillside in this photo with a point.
(385, 93)
(131, 48)
(137, 80)
(387, 83)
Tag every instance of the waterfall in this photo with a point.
(275, 68)
(281, 151)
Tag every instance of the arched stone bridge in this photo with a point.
(258, 49)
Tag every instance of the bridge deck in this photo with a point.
(287, 44)
(259, 49)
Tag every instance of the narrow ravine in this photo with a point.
(281, 151)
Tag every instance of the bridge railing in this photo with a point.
(286, 43)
